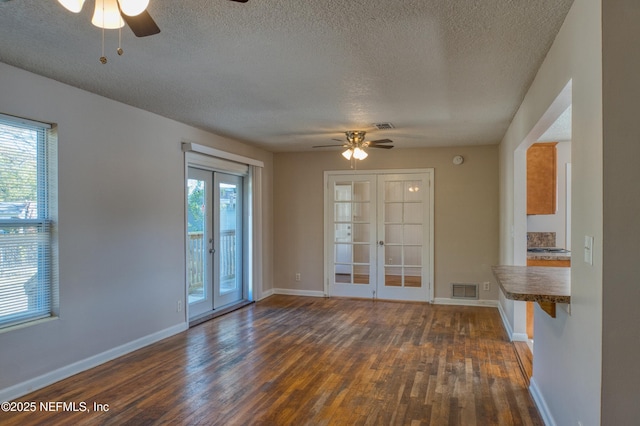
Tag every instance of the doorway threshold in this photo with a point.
(218, 312)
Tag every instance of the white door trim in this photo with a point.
(216, 153)
(214, 160)
(328, 241)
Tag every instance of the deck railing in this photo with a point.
(195, 262)
(227, 255)
(197, 250)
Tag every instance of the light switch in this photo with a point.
(588, 249)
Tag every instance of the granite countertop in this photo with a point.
(541, 284)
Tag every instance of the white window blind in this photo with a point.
(26, 290)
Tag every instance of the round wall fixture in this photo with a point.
(458, 159)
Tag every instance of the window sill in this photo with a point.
(28, 324)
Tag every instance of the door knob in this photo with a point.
(380, 243)
(212, 250)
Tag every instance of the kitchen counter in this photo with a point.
(545, 285)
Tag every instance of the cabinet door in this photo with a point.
(541, 178)
(542, 262)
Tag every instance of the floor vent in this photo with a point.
(464, 291)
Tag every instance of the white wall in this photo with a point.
(556, 222)
(621, 209)
(121, 225)
(567, 350)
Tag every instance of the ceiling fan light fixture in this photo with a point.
(133, 7)
(74, 6)
(347, 154)
(107, 15)
(359, 153)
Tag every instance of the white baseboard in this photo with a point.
(519, 337)
(465, 302)
(266, 294)
(505, 322)
(294, 292)
(543, 408)
(47, 379)
(514, 337)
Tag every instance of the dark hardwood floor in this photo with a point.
(309, 361)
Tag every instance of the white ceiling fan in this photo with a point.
(113, 14)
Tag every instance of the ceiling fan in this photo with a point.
(110, 14)
(355, 145)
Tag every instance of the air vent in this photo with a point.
(383, 126)
(464, 291)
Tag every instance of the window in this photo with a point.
(27, 184)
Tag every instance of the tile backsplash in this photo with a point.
(541, 239)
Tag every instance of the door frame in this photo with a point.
(328, 240)
(214, 160)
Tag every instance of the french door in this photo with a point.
(379, 235)
(214, 251)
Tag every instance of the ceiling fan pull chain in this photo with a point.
(120, 51)
(103, 59)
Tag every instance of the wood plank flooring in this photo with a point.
(525, 359)
(291, 360)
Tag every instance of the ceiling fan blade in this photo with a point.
(380, 141)
(326, 146)
(142, 25)
(381, 146)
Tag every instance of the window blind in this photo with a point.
(25, 223)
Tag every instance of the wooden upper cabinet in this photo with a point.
(541, 178)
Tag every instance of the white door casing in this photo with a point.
(215, 246)
(379, 234)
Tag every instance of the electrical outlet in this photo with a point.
(297, 276)
(179, 306)
(486, 286)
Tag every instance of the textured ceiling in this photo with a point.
(286, 75)
(560, 130)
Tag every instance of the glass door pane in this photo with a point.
(228, 229)
(199, 231)
(378, 241)
(353, 237)
(403, 229)
(196, 246)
